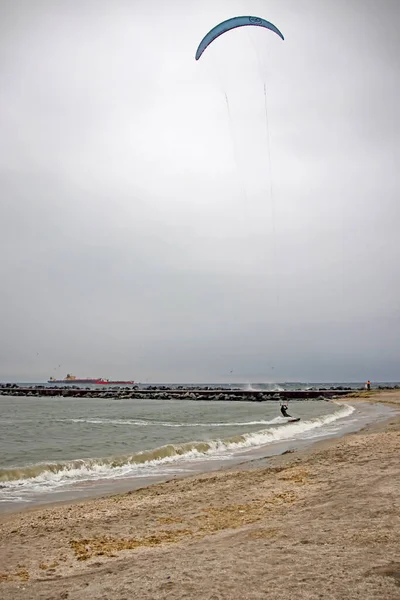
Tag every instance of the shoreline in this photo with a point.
(327, 512)
(86, 491)
(270, 457)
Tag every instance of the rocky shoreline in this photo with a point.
(178, 393)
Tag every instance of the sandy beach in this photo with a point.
(319, 523)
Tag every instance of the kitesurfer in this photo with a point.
(284, 408)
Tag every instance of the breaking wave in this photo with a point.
(47, 476)
(262, 387)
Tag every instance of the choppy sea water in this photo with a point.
(65, 448)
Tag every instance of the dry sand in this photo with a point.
(321, 523)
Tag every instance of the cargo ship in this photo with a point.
(98, 381)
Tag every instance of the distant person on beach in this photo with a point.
(284, 408)
(368, 385)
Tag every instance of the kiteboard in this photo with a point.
(293, 420)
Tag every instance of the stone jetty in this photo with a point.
(177, 393)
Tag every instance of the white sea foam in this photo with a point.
(145, 423)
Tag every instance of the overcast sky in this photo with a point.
(147, 233)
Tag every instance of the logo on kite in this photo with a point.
(232, 24)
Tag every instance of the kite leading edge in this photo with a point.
(232, 24)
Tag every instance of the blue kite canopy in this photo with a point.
(232, 24)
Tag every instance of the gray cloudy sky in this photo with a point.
(139, 234)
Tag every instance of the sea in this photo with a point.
(60, 449)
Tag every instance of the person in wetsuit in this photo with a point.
(284, 408)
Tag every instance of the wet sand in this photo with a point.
(320, 523)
